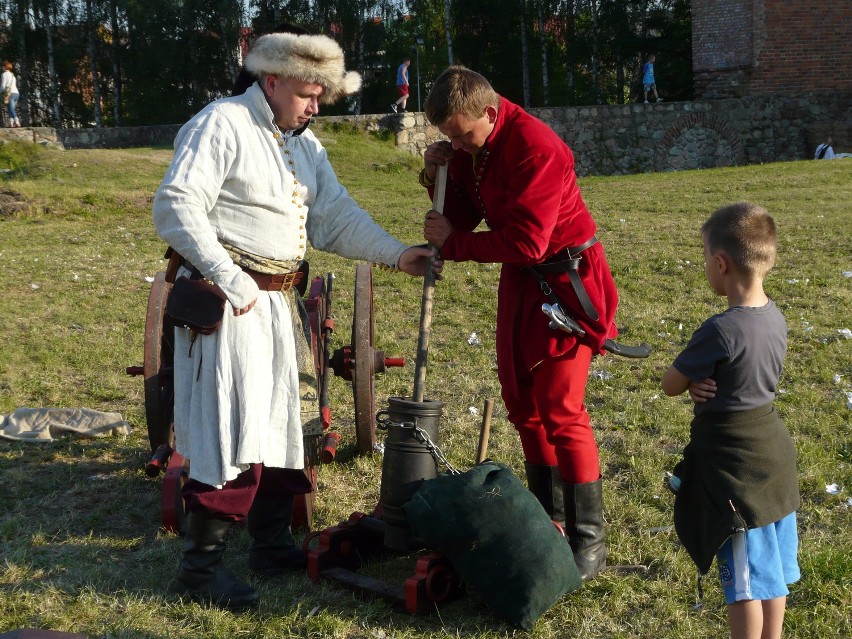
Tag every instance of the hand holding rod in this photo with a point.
(426, 302)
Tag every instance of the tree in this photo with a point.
(132, 62)
(93, 61)
(448, 30)
(525, 56)
(116, 51)
(45, 9)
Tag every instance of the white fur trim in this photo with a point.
(309, 58)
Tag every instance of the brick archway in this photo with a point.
(698, 121)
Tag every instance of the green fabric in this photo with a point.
(498, 539)
(738, 472)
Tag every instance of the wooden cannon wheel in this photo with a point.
(158, 365)
(363, 377)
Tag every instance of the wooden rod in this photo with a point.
(426, 301)
(485, 431)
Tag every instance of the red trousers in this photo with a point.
(550, 416)
(234, 499)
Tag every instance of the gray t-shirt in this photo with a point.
(743, 350)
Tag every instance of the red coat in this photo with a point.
(524, 186)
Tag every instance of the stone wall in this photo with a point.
(119, 138)
(606, 140)
(638, 138)
(753, 47)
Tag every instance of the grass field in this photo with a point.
(82, 546)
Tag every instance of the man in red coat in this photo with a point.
(512, 171)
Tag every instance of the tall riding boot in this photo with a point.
(273, 549)
(584, 526)
(202, 576)
(544, 482)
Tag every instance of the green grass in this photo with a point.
(82, 546)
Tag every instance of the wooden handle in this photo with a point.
(426, 301)
(484, 432)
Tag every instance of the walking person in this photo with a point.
(649, 83)
(736, 488)
(9, 89)
(401, 86)
(248, 187)
(511, 170)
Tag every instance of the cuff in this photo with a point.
(424, 179)
(237, 285)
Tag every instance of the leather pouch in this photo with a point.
(196, 305)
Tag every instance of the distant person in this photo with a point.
(738, 491)
(9, 88)
(825, 151)
(401, 86)
(649, 84)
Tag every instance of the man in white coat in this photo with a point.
(248, 186)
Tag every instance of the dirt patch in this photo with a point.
(12, 203)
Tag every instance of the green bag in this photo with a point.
(498, 539)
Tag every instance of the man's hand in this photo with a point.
(700, 392)
(415, 261)
(436, 154)
(237, 311)
(436, 229)
(246, 309)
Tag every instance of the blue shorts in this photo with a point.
(761, 562)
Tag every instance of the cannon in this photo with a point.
(357, 362)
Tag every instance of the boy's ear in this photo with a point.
(723, 262)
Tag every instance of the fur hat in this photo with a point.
(310, 58)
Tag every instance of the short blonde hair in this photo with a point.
(747, 233)
(459, 91)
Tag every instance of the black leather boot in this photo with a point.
(202, 576)
(273, 550)
(584, 526)
(544, 482)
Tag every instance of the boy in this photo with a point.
(401, 86)
(738, 492)
(648, 81)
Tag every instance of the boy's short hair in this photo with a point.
(458, 90)
(746, 232)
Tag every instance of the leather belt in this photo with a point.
(562, 261)
(568, 260)
(265, 281)
(277, 281)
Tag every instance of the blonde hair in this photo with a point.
(746, 232)
(459, 91)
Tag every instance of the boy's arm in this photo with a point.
(674, 382)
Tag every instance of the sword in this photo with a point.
(560, 320)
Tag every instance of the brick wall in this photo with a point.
(753, 47)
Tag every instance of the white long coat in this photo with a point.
(236, 178)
